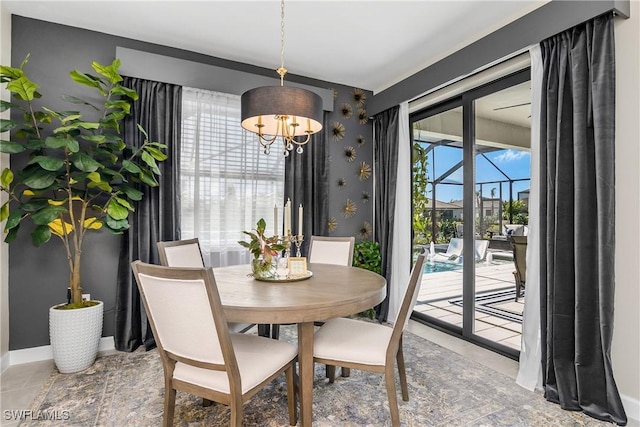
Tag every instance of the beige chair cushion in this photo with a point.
(258, 358)
(352, 341)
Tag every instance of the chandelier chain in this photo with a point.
(282, 71)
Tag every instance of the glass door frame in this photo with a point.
(467, 102)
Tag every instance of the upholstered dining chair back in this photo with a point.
(187, 253)
(181, 253)
(185, 310)
(331, 250)
(199, 355)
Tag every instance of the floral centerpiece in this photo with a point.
(264, 250)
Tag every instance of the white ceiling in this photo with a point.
(367, 44)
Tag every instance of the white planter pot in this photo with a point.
(75, 335)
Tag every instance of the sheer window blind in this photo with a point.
(227, 182)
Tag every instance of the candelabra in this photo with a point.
(297, 240)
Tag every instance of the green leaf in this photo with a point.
(148, 178)
(85, 163)
(144, 132)
(77, 125)
(116, 211)
(48, 163)
(109, 71)
(85, 79)
(23, 88)
(116, 226)
(131, 192)
(128, 165)
(94, 177)
(41, 235)
(102, 185)
(151, 162)
(123, 105)
(98, 139)
(39, 179)
(156, 154)
(79, 101)
(12, 73)
(34, 205)
(6, 178)
(11, 147)
(125, 203)
(5, 105)
(62, 142)
(6, 124)
(13, 220)
(70, 117)
(124, 91)
(11, 235)
(47, 214)
(4, 211)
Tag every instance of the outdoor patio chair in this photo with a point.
(481, 247)
(519, 246)
(453, 253)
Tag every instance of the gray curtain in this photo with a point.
(385, 152)
(157, 216)
(577, 219)
(306, 182)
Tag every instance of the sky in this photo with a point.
(514, 163)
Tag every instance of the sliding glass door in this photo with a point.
(470, 193)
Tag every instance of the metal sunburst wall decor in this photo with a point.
(359, 96)
(364, 172)
(337, 131)
(365, 230)
(332, 224)
(362, 116)
(342, 183)
(360, 140)
(349, 209)
(350, 153)
(365, 197)
(346, 110)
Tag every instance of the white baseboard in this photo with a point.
(37, 354)
(632, 408)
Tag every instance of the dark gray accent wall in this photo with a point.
(549, 19)
(38, 276)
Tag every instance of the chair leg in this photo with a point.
(169, 404)
(345, 371)
(275, 332)
(264, 330)
(402, 373)
(236, 411)
(291, 395)
(206, 402)
(518, 285)
(330, 372)
(391, 395)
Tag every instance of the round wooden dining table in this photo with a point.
(331, 291)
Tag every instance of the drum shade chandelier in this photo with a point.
(291, 113)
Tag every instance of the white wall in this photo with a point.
(5, 58)
(626, 336)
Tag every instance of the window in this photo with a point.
(227, 182)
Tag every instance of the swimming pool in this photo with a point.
(437, 267)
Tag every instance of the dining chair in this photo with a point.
(187, 253)
(331, 250)
(199, 355)
(371, 346)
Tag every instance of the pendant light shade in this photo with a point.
(266, 110)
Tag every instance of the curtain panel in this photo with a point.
(157, 215)
(577, 219)
(306, 178)
(385, 152)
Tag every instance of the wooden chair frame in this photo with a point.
(394, 347)
(235, 399)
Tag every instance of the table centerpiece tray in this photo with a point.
(285, 279)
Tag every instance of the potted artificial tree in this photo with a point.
(80, 176)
